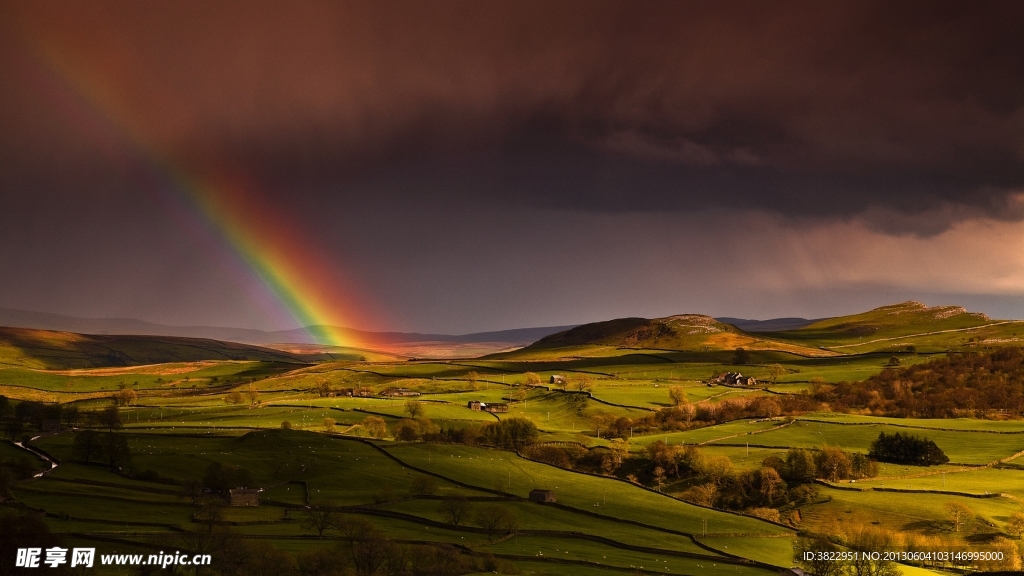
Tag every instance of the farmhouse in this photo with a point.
(736, 378)
(538, 495)
(495, 407)
(245, 497)
(399, 392)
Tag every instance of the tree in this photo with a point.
(209, 512)
(833, 464)
(575, 403)
(423, 486)
(119, 455)
(531, 379)
(715, 468)
(491, 518)
(958, 513)
(659, 476)
(1015, 525)
(906, 449)
(329, 424)
(511, 433)
(893, 361)
(234, 397)
(5, 407)
(473, 377)
(70, 415)
(406, 430)
(677, 394)
(110, 418)
(286, 425)
(414, 409)
(454, 508)
(703, 495)
(193, 490)
(770, 484)
(253, 393)
(775, 371)
(221, 478)
(125, 397)
(375, 426)
(582, 382)
(818, 556)
(741, 356)
(520, 394)
(87, 445)
(800, 465)
(321, 519)
(322, 388)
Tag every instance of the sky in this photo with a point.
(467, 166)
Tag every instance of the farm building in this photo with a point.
(538, 495)
(737, 379)
(557, 379)
(399, 392)
(495, 407)
(245, 497)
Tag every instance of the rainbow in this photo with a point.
(298, 276)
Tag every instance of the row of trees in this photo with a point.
(968, 384)
(92, 446)
(907, 449)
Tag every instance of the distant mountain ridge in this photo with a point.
(131, 327)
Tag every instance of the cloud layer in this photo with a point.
(845, 145)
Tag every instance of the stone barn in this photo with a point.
(244, 497)
(545, 496)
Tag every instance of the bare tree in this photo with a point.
(776, 371)
(492, 519)
(414, 409)
(582, 382)
(455, 508)
(958, 513)
(321, 519)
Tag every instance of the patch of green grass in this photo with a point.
(508, 472)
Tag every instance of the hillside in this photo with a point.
(680, 332)
(63, 350)
(907, 324)
(885, 329)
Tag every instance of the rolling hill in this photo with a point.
(887, 328)
(47, 349)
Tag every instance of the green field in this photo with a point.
(193, 411)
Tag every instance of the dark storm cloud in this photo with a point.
(878, 110)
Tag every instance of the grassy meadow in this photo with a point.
(188, 412)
